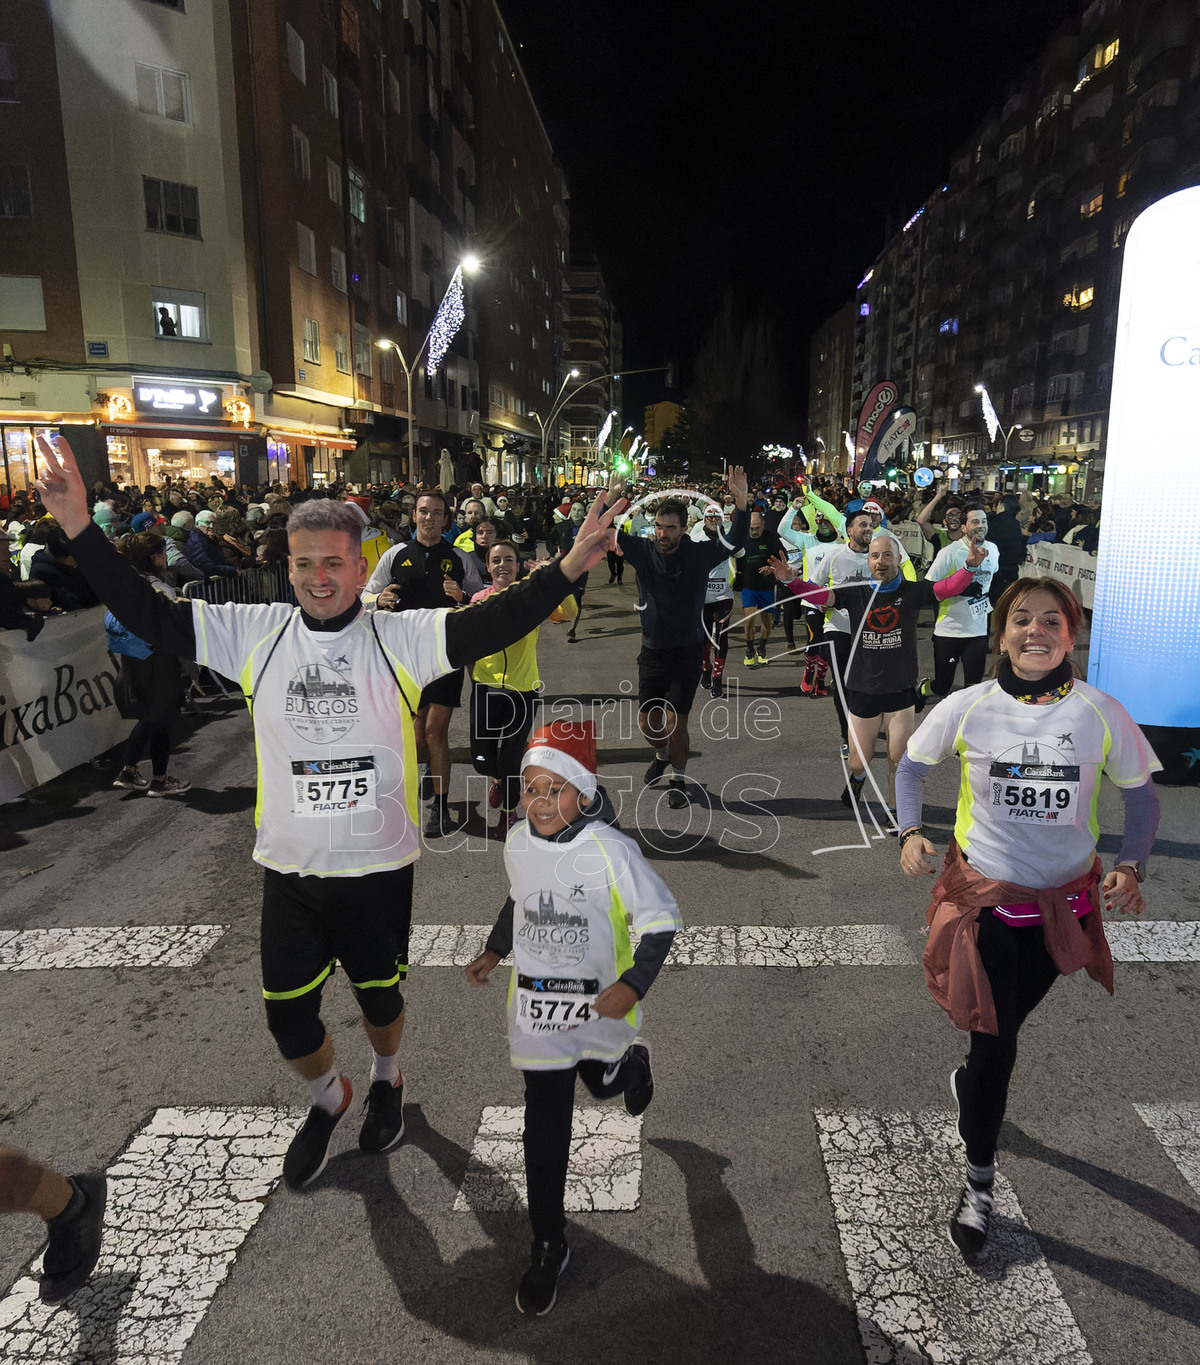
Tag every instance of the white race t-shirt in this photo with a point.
(962, 617)
(337, 761)
(1031, 776)
(571, 941)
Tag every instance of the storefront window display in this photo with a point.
(20, 468)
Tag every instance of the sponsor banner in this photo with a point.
(892, 435)
(1075, 567)
(872, 417)
(57, 706)
(908, 533)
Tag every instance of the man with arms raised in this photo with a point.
(672, 574)
(332, 691)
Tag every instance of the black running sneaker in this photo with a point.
(638, 1076)
(309, 1152)
(657, 767)
(75, 1234)
(439, 821)
(969, 1225)
(718, 688)
(676, 794)
(539, 1285)
(922, 696)
(706, 678)
(383, 1122)
(852, 794)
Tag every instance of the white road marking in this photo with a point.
(1154, 940)
(751, 945)
(605, 1171)
(894, 1180)
(181, 1199)
(1177, 1127)
(143, 945)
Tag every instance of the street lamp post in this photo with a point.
(992, 421)
(467, 266)
(555, 409)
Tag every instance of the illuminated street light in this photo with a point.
(441, 333)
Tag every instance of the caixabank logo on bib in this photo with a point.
(321, 705)
(556, 938)
(1038, 784)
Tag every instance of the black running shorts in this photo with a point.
(670, 676)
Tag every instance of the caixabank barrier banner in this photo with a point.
(1145, 644)
(57, 706)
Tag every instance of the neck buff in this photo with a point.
(1053, 687)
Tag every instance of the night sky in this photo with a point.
(763, 146)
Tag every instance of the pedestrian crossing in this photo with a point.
(142, 945)
(182, 1198)
(833, 945)
(455, 945)
(192, 1183)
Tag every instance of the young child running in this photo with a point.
(575, 881)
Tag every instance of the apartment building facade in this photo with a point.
(1008, 276)
(214, 213)
(595, 347)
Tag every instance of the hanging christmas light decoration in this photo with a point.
(447, 322)
(604, 431)
(989, 412)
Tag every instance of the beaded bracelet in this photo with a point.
(910, 834)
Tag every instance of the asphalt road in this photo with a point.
(753, 1237)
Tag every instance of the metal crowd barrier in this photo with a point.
(253, 586)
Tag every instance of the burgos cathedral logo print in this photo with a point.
(321, 705)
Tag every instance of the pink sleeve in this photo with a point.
(959, 581)
(812, 593)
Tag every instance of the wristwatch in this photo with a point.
(1132, 865)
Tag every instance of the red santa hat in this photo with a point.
(567, 748)
(873, 505)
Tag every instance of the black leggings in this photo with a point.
(616, 565)
(500, 724)
(1020, 971)
(948, 650)
(156, 739)
(840, 645)
(716, 624)
(549, 1108)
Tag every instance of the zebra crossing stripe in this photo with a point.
(1177, 1127)
(1154, 940)
(181, 1199)
(837, 945)
(604, 1171)
(143, 945)
(894, 1181)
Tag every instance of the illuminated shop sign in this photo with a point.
(1145, 642)
(166, 398)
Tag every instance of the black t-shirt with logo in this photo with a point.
(883, 628)
(759, 549)
(419, 571)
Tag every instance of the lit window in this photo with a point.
(312, 340)
(1090, 207)
(178, 314)
(362, 351)
(394, 92)
(306, 246)
(402, 309)
(358, 193)
(1086, 296)
(1110, 53)
(1031, 207)
(295, 54)
(337, 268)
(162, 92)
(1122, 184)
(171, 207)
(341, 352)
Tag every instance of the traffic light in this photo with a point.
(891, 471)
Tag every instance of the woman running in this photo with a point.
(880, 682)
(1018, 901)
(503, 695)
